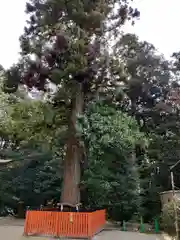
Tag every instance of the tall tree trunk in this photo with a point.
(72, 172)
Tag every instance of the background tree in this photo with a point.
(151, 82)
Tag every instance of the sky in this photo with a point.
(157, 25)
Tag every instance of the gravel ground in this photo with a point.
(15, 233)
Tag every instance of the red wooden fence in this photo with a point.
(64, 224)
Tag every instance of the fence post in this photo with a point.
(156, 225)
(124, 226)
(141, 226)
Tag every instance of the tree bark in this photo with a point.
(72, 172)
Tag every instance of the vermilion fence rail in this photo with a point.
(64, 224)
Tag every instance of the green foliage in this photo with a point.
(148, 87)
(32, 121)
(111, 179)
(32, 136)
(168, 218)
(110, 137)
(33, 177)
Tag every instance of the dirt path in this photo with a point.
(15, 233)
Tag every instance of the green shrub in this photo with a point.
(168, 218)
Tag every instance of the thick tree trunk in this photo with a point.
(72, 172)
